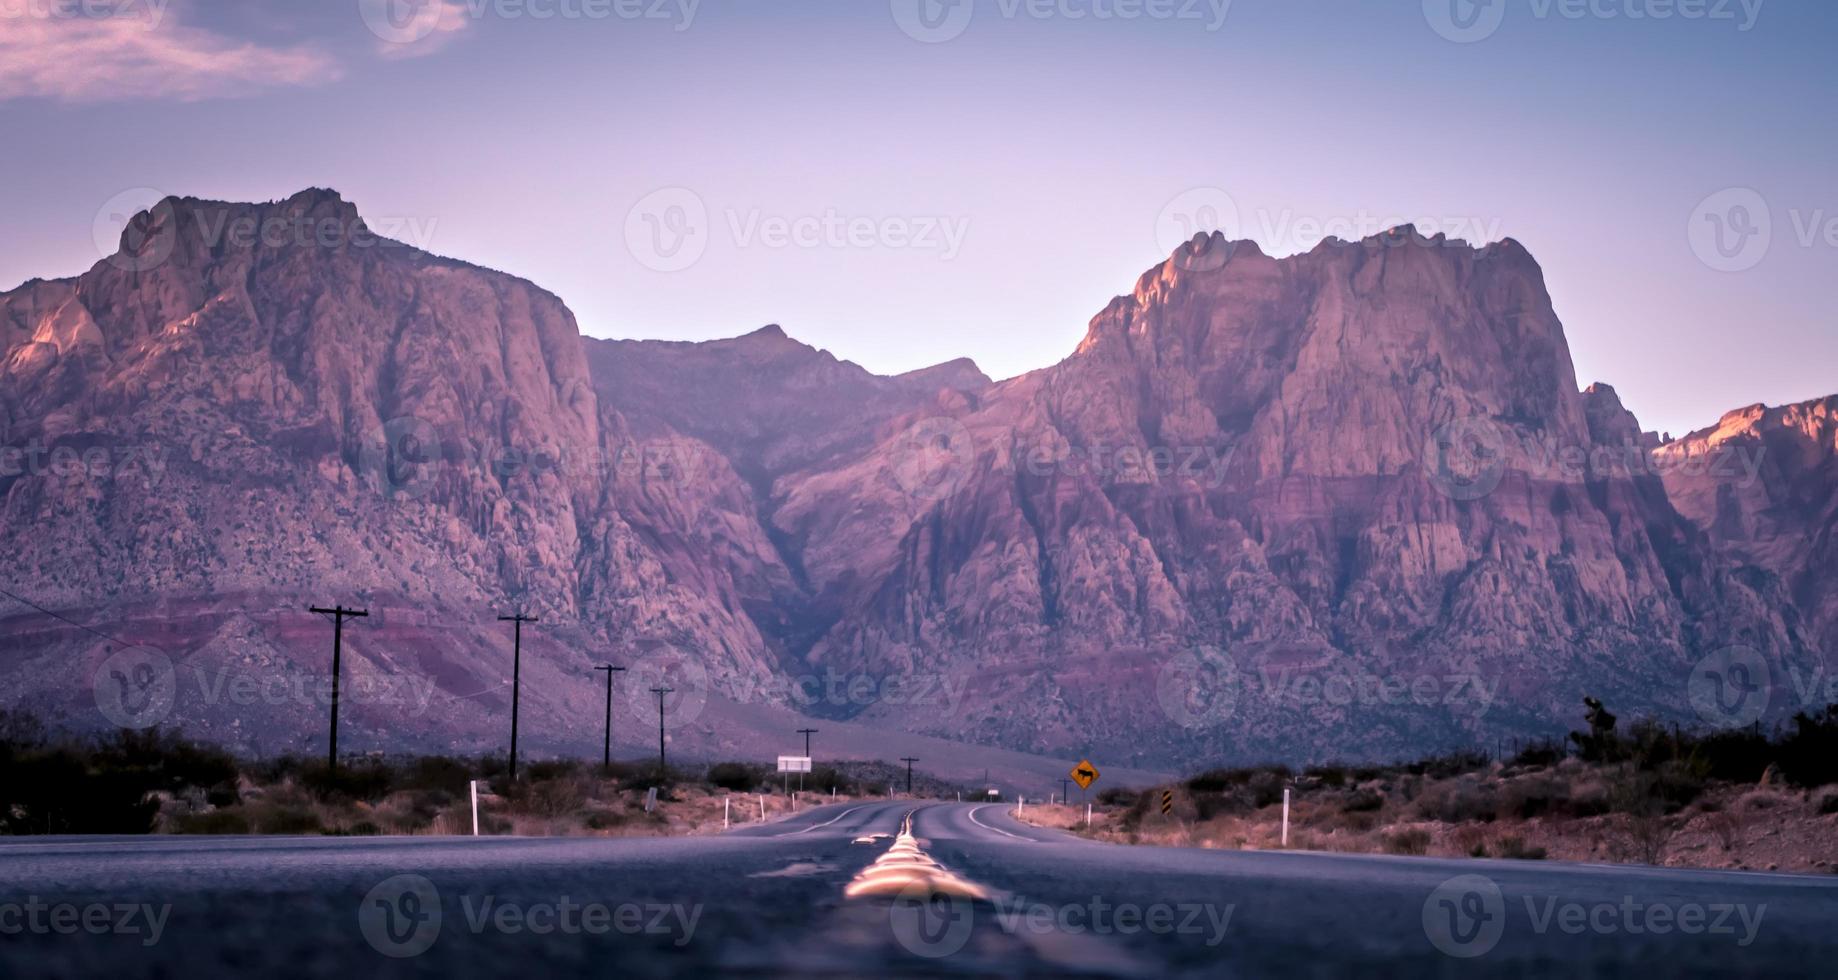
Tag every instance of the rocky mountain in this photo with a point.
(1759, 483)
(1347, 503)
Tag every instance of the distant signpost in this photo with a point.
(1085, 774)
(1167, 802)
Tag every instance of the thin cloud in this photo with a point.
(414, 28)
(123, 58)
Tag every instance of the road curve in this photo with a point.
(768, 898)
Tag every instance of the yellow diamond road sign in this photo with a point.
(1085, 774)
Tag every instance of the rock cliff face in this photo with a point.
(1360, 469)
(1760, 483)
(1348, 503)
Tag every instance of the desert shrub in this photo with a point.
(736, 776)
(823, 779)
(1826, 801)
(224, 821)
(1451, 765)
(1543, 752)
(1334, 776)
(1729, 827)
(1414, 841)
(1209, 805)
(1739, 756)
(1220, 780)
(289, 819)
(1534, 796)
(109, 785)
(1359, 823)
(1363, 801)
(605, 819)
(358, 779)
(1457, 801)
(552, 769)
(438, 772)
(1266, 788)
(1470, 840)
(1514, 848)
(1809, 753)
(1117, 796)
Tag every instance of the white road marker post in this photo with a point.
(1088, 815)
(762, 808)
(727, 811)
(475, 808)
(1285, 816)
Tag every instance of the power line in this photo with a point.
(63, 619)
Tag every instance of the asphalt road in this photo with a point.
(768, 900)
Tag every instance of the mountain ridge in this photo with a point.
(1352, 461)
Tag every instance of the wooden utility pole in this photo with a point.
(339, 614)
(607, 763)
(909, 760)
(661, 767)
(517, 620)
(807, 733)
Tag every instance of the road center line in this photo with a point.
(826, 823)
(907, 872)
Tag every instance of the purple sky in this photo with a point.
(984, 188)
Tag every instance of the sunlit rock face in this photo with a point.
(1346, 503)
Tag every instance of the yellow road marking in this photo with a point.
(906, 870)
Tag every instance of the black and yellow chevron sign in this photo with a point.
(1167, 802)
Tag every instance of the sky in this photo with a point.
(903, 182)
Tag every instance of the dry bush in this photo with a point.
(1411, 840)
(1470, 839)
(1457, 801)
(1513, 847)
(1730, 827)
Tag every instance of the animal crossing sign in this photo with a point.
(1085, 774)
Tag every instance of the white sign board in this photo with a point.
(794, 763)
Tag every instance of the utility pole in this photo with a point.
(806, 732)
(339, 614)
(1065, 790)
(660, 692)
(909, 760)
(516, 678)
(610, 669)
